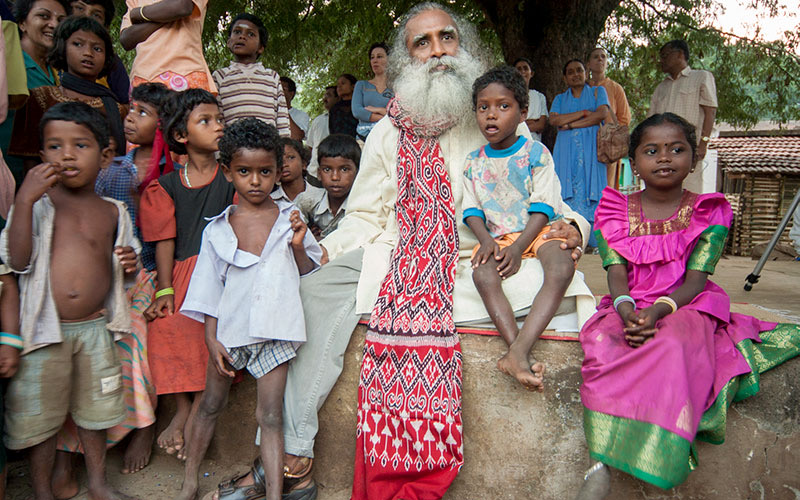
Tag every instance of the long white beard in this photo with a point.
(431, 94)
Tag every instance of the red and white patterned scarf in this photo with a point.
(409, 435)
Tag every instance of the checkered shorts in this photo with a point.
(263, 357)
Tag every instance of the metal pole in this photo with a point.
(752, 278)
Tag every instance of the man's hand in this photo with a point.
(127, 257)
(38, 180)
(562, 229)
(9, 361)
(324, 259)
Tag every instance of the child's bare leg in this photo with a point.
(42, 457)
(558, 270)
(211, 403)
(64, 483)
(487, 281)
(597, 483)
(187, 428)
(137, 454)
(269, 414)
(171, 438)
(94, 452)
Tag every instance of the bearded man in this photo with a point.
(402, 253)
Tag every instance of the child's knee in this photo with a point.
(557, 264)
(212, 406)
(485, 275)
(270, 419)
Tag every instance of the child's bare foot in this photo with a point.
(188, 491)
(107, 493)
(597, 483)
(530, 375)
(171, 438)
(137, 454)
(64, 483)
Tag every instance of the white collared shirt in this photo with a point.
(254, 298)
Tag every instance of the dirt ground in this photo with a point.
(777, 292)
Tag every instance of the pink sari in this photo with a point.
(644, 406)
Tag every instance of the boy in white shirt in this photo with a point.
(245, 286)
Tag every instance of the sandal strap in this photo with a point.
(258, 474)
(299, 475)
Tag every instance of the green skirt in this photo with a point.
(662, 458)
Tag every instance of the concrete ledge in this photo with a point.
(528, 445)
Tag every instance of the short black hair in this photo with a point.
(575, 59)
(679, 45)
(305, 154)
(339, 145)
(174, 114)
(263, 36)
(250, 133)
(23, 7)
(153, 93)
(506, 76)
(659, 119)
(290, 83)
(57, 56)
(80, 113)
(378, 45)
(107, 5)
(523, 59)
(349, 77)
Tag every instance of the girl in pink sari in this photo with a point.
(664, 356)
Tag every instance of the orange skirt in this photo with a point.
(176, 345)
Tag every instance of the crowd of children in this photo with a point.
(146, 221)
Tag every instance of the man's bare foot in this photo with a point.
(596, 485)
(137, 454)
(64, 483)
(171, 438)
(530, 375)
(108, 493)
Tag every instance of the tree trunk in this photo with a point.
(549, 33)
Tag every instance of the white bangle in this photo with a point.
(668, 301)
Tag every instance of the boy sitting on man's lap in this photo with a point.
(511, 194)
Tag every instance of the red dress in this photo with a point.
(171, 210)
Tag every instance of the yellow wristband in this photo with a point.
(668, 301)
(165, 291)
(141, 13)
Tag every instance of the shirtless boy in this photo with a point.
(73, 251)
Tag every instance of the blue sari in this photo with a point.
(582, 176)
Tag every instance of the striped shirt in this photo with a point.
(251, 90)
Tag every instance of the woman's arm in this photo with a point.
(559, 120)
(590, 119)
(164, 11)
(132, 36)
(359, 110)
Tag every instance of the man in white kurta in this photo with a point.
(335, 297)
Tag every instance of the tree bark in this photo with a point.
(549, 33)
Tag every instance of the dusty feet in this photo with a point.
(188, 491)
(530, 375)
(137, 454)
(596, 485)
(107, 493)
(64, 483)
(171, 438)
